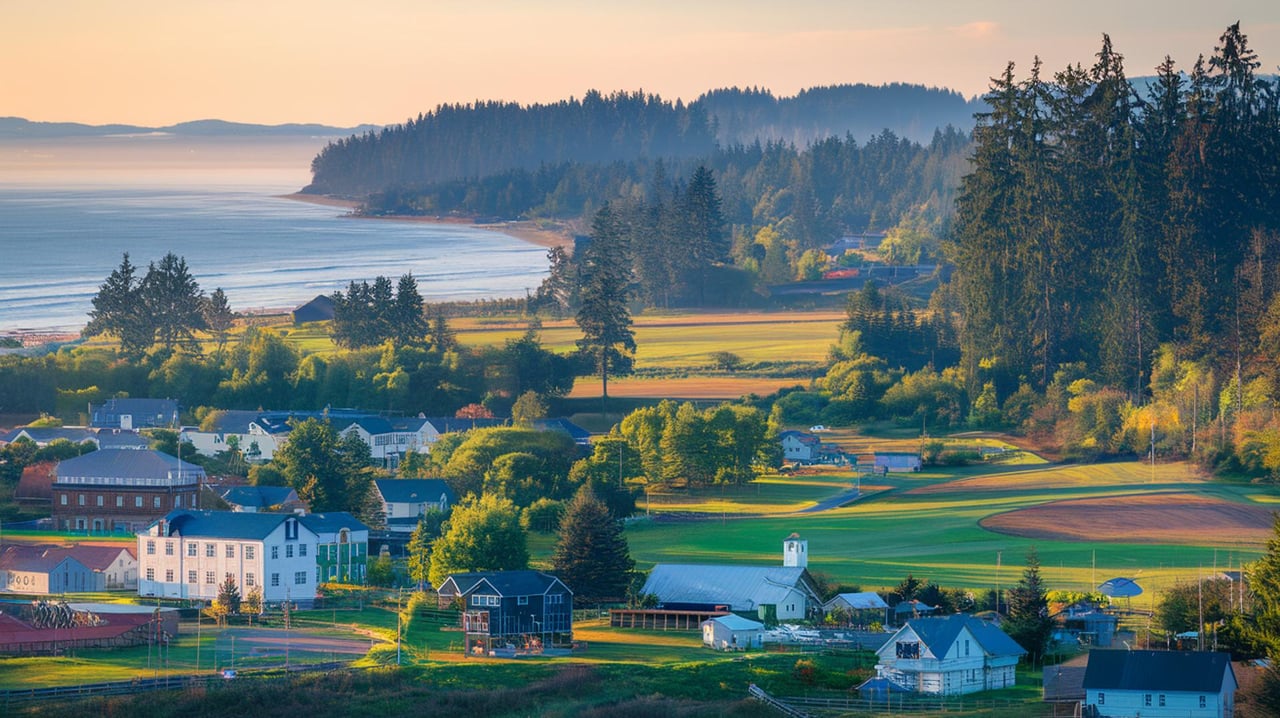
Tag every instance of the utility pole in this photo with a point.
(399, 620)
(998, 583)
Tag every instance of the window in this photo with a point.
(478, 599)
(522, 601)
(1203, 702)
(151, 548)
(168, 548)
(137, 502)
(156, 502)
(908, 649)
(151, 574)
(231, 550)
(249, 579)
(208, 550)
(275, 552)
(1162, 700)
(80, 499)
(208, 577)
(288, 551)
(300, 577)
(191, 576)
(62, 499)
(191, 548)
(302, 549)
(555, 599)
(99, 500)
(228, 576)
(177, 501)
(275, 579)
(1102, 698)
(966, 646)
(248, 552)
(319, 578)
(1146, 700)
(168, 575)
(119, 501)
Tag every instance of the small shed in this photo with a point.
(732, 633)
(861, 608)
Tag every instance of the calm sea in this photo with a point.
(61, 235)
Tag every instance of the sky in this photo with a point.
(159, 62)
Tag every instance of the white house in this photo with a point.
(1151, 684)
(187, 554)
(254, 433)
(773, 593)
(799, 446)
(732, 633)
(404, 501)
(949, 656)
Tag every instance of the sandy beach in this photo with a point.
(549, 234)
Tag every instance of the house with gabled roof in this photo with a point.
(262, 498)
(800, 446)
(948, 656)
(732, 633)
(862, 608)
(404, 501)
(188, 554)
(342, 546)
(121, 490)
(1186, 684)
(131, 413)
(505, 612)
(42, 570)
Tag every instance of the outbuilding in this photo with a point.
(732, 633)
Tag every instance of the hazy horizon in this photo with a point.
(154, 63)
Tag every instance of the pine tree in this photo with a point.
(409, 323)
(591, 556)
(173, 301)
(118, 309)
(218, 317)
(419, 550)
(603, 316)
(1028, 620)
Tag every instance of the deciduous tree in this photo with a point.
(481, 534)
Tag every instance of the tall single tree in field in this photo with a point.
(592, 556)
(173, 300)
(118, 309)
(1028, 620)
(603, 316)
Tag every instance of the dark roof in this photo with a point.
(449, 424)
(42, 435)
(413, 491)
(506, 583)
(259, 496)
(332, 522)
(317, 310)
(800, 436)
(372, 425)
(222, 524)
(126, 464)
(561, 424)
(1172, 671)
(120, 439)
(144, 411)
(98, 558)
(234, 421)
(940, 632)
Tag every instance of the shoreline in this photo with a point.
(549, 236)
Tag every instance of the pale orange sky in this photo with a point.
(158, 62)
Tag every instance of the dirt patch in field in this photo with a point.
(1172, 518)
(692, 387)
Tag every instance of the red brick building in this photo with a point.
(122, 489)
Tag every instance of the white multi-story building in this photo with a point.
(188, 554)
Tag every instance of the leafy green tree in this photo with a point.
(419, 550)
(592, 556)
(528, 407)
(1028, 620)
(252, 604)
(1184, 605)
(603, 316)
(173, 301)
(381, 571)
(481, 534)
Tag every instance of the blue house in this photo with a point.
(506, 612)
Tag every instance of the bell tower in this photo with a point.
(795, 551)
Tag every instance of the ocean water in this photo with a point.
(61, 235)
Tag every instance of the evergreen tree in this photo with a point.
(1028, 620)
(118, 309)
(173, 301)
(591, 556)
(218, 317)
(228, 599)
(1264, 582)
(410, 323)
(419, 550)
(603, 316)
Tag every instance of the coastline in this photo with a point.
(548, 235)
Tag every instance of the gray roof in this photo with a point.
(413, 491)
(865, 600)
(734, 622)
(44, 434)
(145, 411)
(234, 421)
(940, 632)
(142, 464)
(742, 588)
(222, 524)
(1171, 671)
(259, 496)
(332, 522)
(121, 439)
(449, 424)
(506, 583)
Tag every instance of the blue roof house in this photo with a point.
(404, 501)
(949, 656)
(1185, 684)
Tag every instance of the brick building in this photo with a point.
(122, 489)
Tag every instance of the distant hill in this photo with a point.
(17, 128)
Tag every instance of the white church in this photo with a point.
(772, 593)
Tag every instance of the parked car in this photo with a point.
(818, 428)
